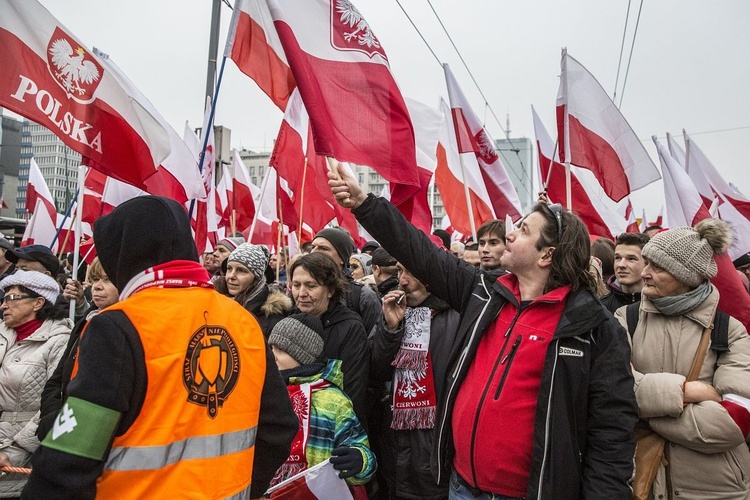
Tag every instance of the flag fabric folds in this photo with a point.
(596, 136)
(49, 77)
(37, 190)
(317, 482)
(473, 139)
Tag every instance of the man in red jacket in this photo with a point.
(539, 399)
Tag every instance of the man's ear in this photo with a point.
(546, 259)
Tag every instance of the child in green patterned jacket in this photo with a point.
(329, 428)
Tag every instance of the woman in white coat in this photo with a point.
(33, 336)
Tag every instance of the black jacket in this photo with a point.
(586, 412)
(616, 298)
(345, 339)
(404, 454)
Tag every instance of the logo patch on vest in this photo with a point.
(567, 351)
(211, 368)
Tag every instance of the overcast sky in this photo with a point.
(690, 67)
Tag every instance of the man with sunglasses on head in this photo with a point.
(538, 399)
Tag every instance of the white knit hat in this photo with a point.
(35, 281)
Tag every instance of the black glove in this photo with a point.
(347, 460)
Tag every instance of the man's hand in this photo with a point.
(394, 308)
(344, 187)
(697, 392)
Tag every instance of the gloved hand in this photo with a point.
(348, 461)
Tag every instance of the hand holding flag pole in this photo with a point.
(344, 187)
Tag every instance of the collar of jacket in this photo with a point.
(49, 328)
(615, 289)
(703, 314)
(583, 312)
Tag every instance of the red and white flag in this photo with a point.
(676, 150)
(632, 222)
(596, 136)
(243, 202)
(224, 195)
(317, 482)
(177, 176)
(684, 204)
(450, 178)
(696, 160)
(254, 46)
(37, 190)
(597, 211)
(42, 226)
(473, 140)
(355, 106)
(49, 77)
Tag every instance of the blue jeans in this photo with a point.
(459, 491)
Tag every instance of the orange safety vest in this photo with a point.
(195, 435)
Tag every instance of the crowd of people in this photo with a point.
(532, 362)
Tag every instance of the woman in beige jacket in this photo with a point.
(705, 422)
(33, 336)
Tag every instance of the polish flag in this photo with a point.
(49, 77)
(206, 221)
(450, 178)
(317, 482)
(116, 193)
(41, 229)
(631, 220)
(596, 136)
(684, 204)
(659, 218)
(710, 183)
(676, 150)
(593, 207)
(37, 190)
(266, 212)
(428, 122)
(698, 161)
(356, 109)
(254, 46)
(223, 194)
(93, 188)
(473, 140)
(644, 222)
(242, 194)
(177, 176)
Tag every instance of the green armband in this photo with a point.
(83, 429)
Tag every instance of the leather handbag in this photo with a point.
(649, 451)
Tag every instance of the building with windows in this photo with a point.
(10, 160)
(58, 163)
(256, 163)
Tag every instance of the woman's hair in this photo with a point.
(95, 271)
(50, 310)
(571, 258)
(324, 270)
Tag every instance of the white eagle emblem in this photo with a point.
(351, 17)
(71, 69)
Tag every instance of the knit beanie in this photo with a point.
(340, 240)
(39, 283)
(364, 260)
(300, 336)
(232, 242)
(688, 253)
(253, 257)
(382, 258)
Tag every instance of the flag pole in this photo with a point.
(65, 218)
(551, 164)
(568, 191)
(302, 202)
(208, 127)
(67, 236)
(77, 242)
(258, 206)
(279, 236)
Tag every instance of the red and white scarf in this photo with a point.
(414, 400)
(301, 397)
(172, 274)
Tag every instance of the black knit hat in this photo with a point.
(340, 240)
(300, 336)
(382, 258)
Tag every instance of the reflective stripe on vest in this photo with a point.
(157, 457)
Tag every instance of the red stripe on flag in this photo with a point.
(257, 60)
(590, 151)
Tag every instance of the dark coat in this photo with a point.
(586, 413)
(616, 298)
(405, 454)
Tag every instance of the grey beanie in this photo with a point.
(340, 240)
(232, 242)
(300, 336)
(253, 257)
(366, 262)
(688, 253)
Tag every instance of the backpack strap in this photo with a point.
(631, 315)
(720, 333)
(353, 296)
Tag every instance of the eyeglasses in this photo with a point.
(14, 297)
(556, 210)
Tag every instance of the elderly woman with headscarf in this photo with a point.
(705, 421)
(33, 336)
(245, 281)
